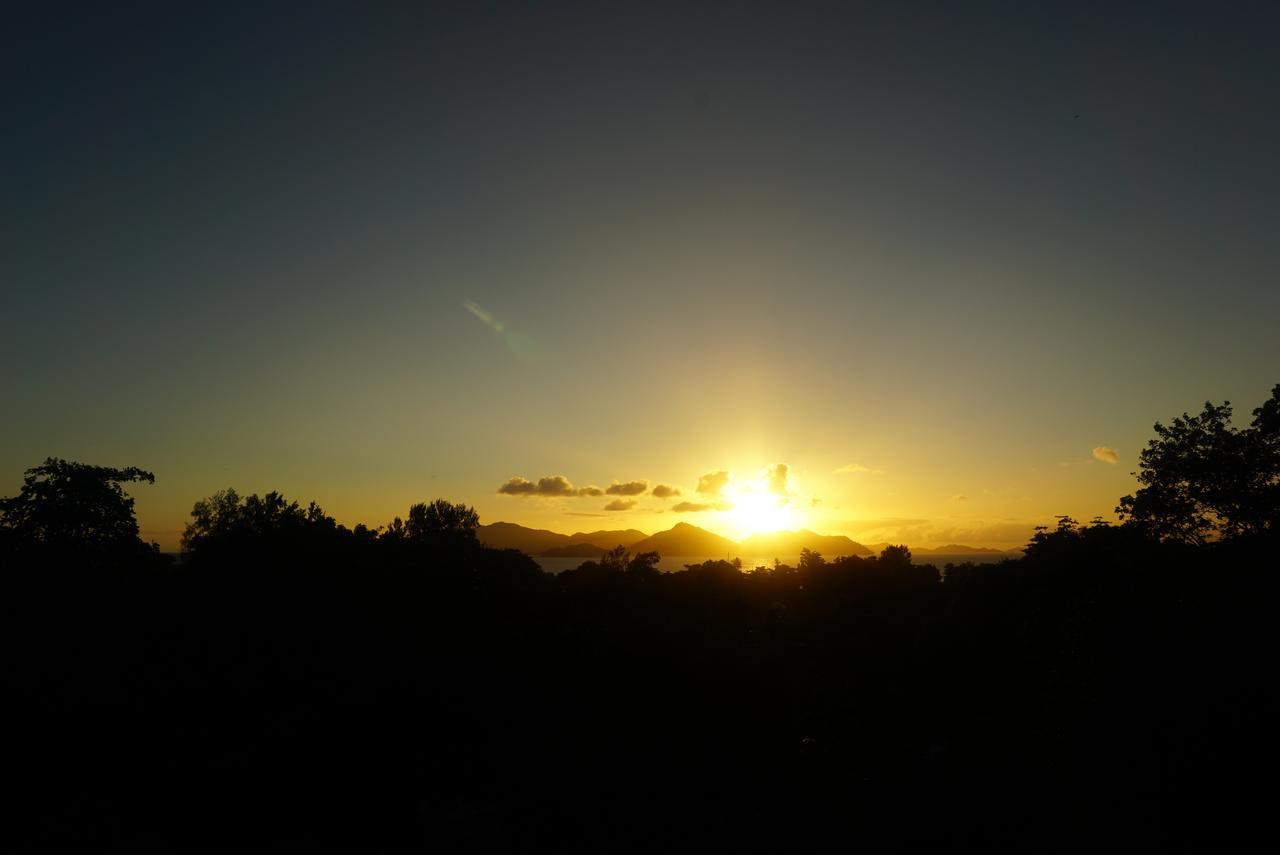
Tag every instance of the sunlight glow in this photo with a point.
(757, 510)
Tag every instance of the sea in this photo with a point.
(673, 563)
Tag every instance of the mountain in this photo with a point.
(788, 543)
(577, 550)
(505, 535)
(536, 541)
(681, 540)
(609, 539)
(957, 549)
(686, 540)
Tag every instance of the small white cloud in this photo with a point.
(1106, 455)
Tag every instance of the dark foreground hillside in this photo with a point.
(1105, 689)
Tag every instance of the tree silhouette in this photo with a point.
(401, 653)
(442, 521)
(225, 523)
(73, 506)
(810, 560)
(645, 564)
(898, 556)
(1203, 479)
(616, 559)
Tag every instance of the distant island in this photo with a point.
(685, 539)
(537, 541)
(957, 549)
(577, 550)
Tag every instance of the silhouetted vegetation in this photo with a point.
(1203, 479)
(79, 513)
(297, 684)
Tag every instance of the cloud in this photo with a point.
(921, 532)
(979, 533)
(959, 497)
(630, 488)
(520, 344)
(552, 485)
(713, 482)
(518, 486)
(484, 316)
(1106, 455)
(884, 522)
(695, 507)
(666, 491)
(776, 476)
(583, 514)
(620, 505)
(853, 468)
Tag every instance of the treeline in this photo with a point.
(295, 684)
(304, 685)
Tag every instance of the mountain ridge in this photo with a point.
(537, 541)
(688, 540)
(957, 549)
(682, 539)
(779, 543)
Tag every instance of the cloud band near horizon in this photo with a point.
(551, 485)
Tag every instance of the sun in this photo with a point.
(756, 510)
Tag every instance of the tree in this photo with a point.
(226, 524)
(1204, 479)
(442, 522)
(810, 560)
(898, 556)
(75, 506)
(616, 559)
(646, 564)
(441, 517)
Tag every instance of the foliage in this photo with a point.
(899, 556)
(644, 564)
(1034, 682)
(1066, 529)
(810, 560)
(612, 564)
(442, 526)
(1203, 479)
(73, 506)
(225, 523)
(615, 560)
(442, 520)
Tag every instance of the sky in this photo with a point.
(946, 266)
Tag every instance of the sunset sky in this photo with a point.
(946, 267)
